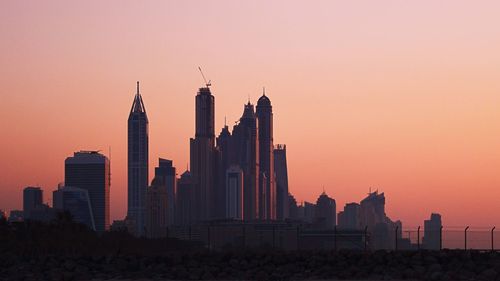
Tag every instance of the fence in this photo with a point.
(293, 237)
(466, 237)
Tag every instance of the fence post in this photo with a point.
(208, 236)
(274, 236)
(335, 238)
(465, 238)
(441, 238)
(418, 237)
(244, 236)
(492, 239)
(298, 234)
(366, 237)
(396, 238)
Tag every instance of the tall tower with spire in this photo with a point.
(138, 154)
(202, 156)
(267, 187)
(246, 150)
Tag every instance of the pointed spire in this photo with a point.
(138, 104)
(264, 91)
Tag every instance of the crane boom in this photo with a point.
(208, 84)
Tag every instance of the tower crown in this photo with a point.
(138, 104)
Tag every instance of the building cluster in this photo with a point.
(238, 175)
(85, 194)
(236, 178)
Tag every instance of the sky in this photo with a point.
(399, 96)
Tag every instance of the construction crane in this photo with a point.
(208, 84)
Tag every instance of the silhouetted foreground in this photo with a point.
(67, 251)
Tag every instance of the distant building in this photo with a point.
(185, 205)
(15, 216)
(156, 209)
(293, 209)
(166, 172)
(264, 113)
(325, 212)
(432, 232)
(138, 161)
(381, 227)
(349, 217)
(43, 213)
(89, 170)
(76, 201)
(309, 212)
(281, 172)
(32, 198)
(246, 150)
(3, 215)
(234, 193)
(202, 155)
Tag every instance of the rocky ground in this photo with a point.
(379, 265)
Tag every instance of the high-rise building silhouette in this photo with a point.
(32, 198)
(185, 205)
(246, 151)
(166, 171)
(432, 232)
(264, 113)
(281, 172)
(234, 193)
(138, 155)
(349, 217)
(156, 213)
(325, 215)
(76, 201)
(89, 170)
(224, 159)
(202, 148)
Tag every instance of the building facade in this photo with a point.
(32, 198)
(202, 151)
(264, 113)
(89, 170)
(76, 201)
(138, 159)
(281, 172)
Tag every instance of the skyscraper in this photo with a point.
(185, 205)
(281, 172)
(202, 148)
(89, 170)
(349, 217)
(32, 198)
(246, 150)
(138, 155)
(432, 232)
(166, 172)
(77, 202)
(264, 112)
(234, 193)
(325, 212)
(155, 215)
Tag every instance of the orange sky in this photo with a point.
(403, 96)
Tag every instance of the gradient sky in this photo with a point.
(403, 96)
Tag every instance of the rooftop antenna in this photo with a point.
(264, 91)
(138, 87)
(225, 121)
(207, 84)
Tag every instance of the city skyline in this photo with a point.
(413, 134)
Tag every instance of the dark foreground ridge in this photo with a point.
(380, 265)
(63, 250)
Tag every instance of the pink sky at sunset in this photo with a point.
(403, 96)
